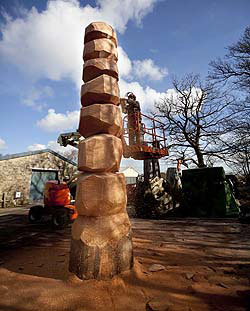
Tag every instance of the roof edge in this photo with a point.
(30, 153)
(124, 168)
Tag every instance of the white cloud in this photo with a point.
(49, 44)
(145, 95)
(56, 147)
(3, 144)
(124, 63)
(35, 98)
(53, 145)
(147, 69)
(172, 95)
(119, 13)
(35, 147)
(59, 122)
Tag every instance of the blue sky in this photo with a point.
(41, 45)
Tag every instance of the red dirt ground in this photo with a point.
(207, 267)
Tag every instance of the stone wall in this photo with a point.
(15, 175)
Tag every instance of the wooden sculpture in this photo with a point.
(101, 244)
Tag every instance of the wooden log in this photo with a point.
(100, 153)
(99, 30)
(101, 90)
(101, 247)
(101, 194)
(100, 119)
(96, 67)
(100, 48)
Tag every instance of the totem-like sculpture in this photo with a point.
(101, 244)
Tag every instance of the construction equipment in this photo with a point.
(57, 205)
(207, 193)
(158, 198)
(72, 139)
(149, 134)
(144, 139)
(57, 195)
(149, 145)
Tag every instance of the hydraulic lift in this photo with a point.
(144, 140)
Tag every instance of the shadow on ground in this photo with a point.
(207, 267)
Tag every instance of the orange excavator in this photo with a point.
(57, 205)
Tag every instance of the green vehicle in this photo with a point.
(208, 193)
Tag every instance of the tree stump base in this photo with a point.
(101, 247)
(100, 262)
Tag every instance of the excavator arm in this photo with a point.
(72, 139)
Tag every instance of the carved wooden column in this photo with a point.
(101, 244)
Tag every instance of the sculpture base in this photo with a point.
(100, 262)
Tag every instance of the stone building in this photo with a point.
(23, 175)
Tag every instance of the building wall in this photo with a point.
(131, 175)
(15, 175)
(131, 180)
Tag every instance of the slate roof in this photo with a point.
(29, 153)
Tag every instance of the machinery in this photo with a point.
(143, 139)
(207, 193)
(71, 139)
(57, 205)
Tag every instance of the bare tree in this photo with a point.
(67, 170)
(237, 143)
(194, 115)
(235, 67)
(241, 160)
